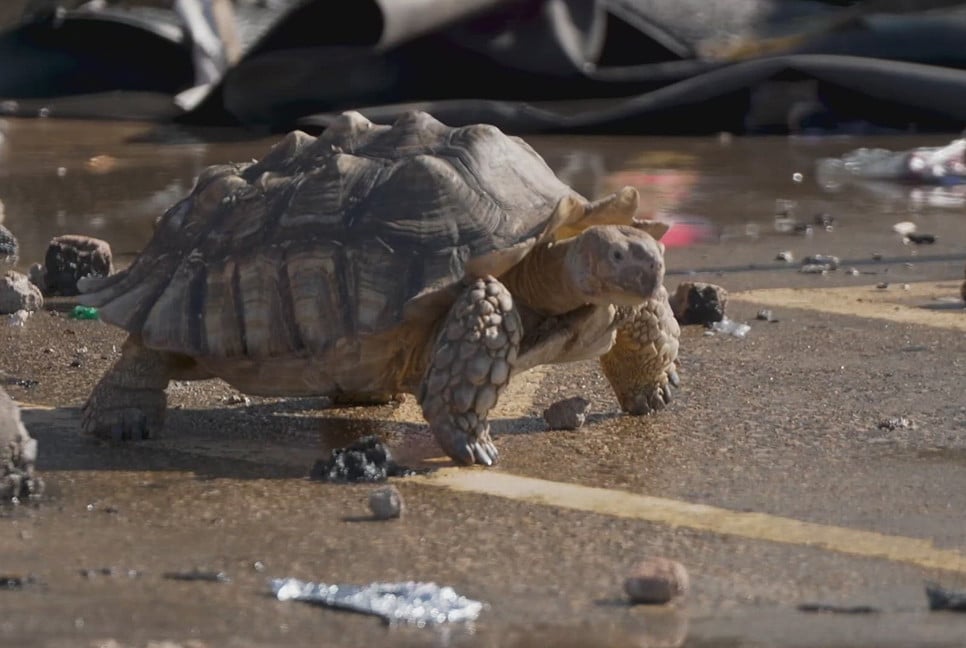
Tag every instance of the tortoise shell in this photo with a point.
(335, 238)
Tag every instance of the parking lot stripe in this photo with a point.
(918, 305)
(701, 517)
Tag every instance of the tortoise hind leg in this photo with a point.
(642, 365)
(469, 367)
(129, 402)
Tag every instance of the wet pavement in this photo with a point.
(769, 477)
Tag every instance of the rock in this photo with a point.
(38, 276)
(386, 503)
(567, 414)
(72, 257)
(18, 454)
(786, 256)
(8, 247)
(17, 293)
(656, 581)
(699, 303)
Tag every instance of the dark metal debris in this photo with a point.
(920, 239)
(838, 609)
(366, 460)
(941, 598)
(198, 575)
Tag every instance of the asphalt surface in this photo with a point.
(773, 477)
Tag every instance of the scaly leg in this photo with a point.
(469, 367)
(129, 401)
(641, 366)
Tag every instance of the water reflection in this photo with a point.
(112, 180)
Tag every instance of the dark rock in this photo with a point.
(70, 258)
(17, 293)
(699, 303)
(199, 575)
(567, 414)
(835, 608)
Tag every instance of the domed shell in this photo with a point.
(329, 239)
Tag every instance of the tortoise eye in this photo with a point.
(618, 255)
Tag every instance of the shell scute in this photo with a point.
(329, 240)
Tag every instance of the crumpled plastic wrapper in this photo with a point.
(420, 604)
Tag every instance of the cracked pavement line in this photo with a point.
(920, 304)
(700, 517)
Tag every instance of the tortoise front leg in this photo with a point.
(469, 367)
(129, 402)
(641, 366)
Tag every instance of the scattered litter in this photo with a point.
(18, 319)
(731, 327)
(199, 575)
(656, 581)
(936, 165)
(827, 260)
(84, 313)
(896, 423)
(941, 598)
(567, 414)
(904, 228)
(411, 602)
(814, 268)
(14, 582)
(366, 460)
(699, 303)
(238, 399)
(920, 239)
(386, 503)
(825, 220)
(109, 571)
(838, 609)
(786, 256)
(766, 315)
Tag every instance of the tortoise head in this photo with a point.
(616, 264)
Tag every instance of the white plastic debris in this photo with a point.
(731, 327)
(416, 603)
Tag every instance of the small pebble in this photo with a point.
(883, 285)
(853, 272)
(656, 581)
(786, 256)
(386, 503)
(766, 315)
(877, 256)
(567, 414)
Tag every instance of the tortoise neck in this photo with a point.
(543, 281)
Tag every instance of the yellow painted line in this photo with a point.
(893, 304)
(674, 513)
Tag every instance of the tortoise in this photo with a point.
(378, 260)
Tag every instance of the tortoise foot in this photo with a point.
(470, 366)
